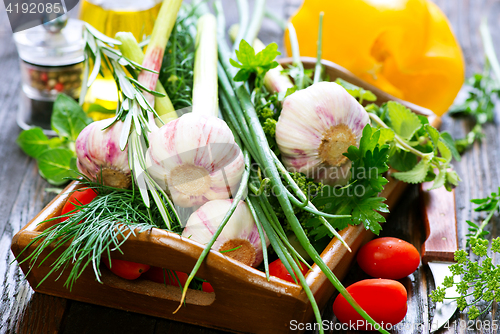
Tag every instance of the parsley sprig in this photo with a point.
(478, 283)
(360, 197)
(483, 90)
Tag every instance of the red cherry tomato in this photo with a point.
(164, 276)
(384, 300)
(59, 87)
(276, 268)
(207, 287)
(126, 269)
(78, 198)
(44, 77)
(388, 258)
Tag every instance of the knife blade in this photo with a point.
(438, 208)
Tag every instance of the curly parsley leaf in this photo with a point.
(360, 197)
(250, 62)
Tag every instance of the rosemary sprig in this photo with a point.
(133, 109)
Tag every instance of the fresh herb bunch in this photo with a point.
(479, 107)
(479, 279)
(483, 91)
(177, 72)
(56, 157)
(94, 230)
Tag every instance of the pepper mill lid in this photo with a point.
(56, 42)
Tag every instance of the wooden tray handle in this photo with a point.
(438, 212)
(170, 251)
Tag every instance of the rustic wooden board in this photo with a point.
(22, 195)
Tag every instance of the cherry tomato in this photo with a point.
(207, 287)
(383, 299)
(388, 258)
(164, 276)
(276, 268)
(44, 77)
(126, 269)
(78, 198)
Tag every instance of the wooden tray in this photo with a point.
(243, 301)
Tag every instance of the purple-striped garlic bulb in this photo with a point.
(99, 154)
(196, 159)
(316, 126)
(240, 232)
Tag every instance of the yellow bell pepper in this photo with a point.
(404, 47)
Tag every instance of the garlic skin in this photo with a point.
(196, 159)
(240, 231)
(98, 153)
(316, 126)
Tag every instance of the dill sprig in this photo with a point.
(478, 283)
(176, 73)
(93, 230)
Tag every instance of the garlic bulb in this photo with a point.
(240, 231)
(316, 126)
(99, 154)
(196, 159)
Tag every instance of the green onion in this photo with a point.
(205, 101)
(318, 68)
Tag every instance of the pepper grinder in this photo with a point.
(51, 60)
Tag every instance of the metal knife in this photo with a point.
(438, 211)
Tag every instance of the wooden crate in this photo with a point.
(243, 301)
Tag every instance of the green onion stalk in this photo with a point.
(318, 67)
(245, 112)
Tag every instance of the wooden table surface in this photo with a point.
(23, 194)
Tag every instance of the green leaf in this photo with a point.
(33, 142)
(404, 122)
(386, 135)
(356, 91)
(94, 107)
(68, 118)
(433, 135)
(450, 143)
(249, 62)
(416, 175)
(439, 180)
(55, 165)
(444, 151)
(365, 212)
(402, 160)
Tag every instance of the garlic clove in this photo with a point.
(316, 126)
(196, 159)
(240, 231)
(99, 155)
